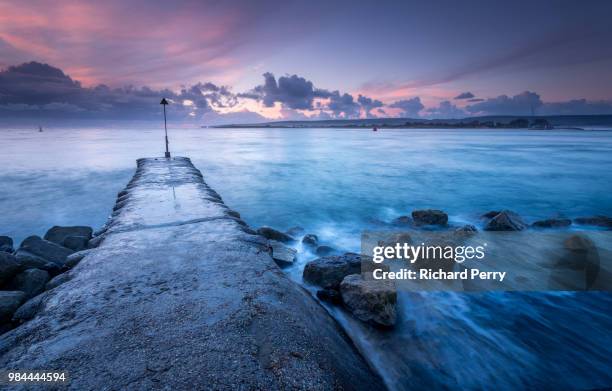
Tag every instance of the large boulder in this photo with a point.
(552, 223)
(329, 295)
(6, 244)
(429, 217)
(9, 302)
(505, 221)
(31, 282)
(372, 301)
(310, 240)
(58, 234)
(58, 280)
(76, 243)
(272, 234)
(8, 267)
(74, 259)
(27, 260)
(599, 221)
(282, 255)
(329, 271)
(45, 249)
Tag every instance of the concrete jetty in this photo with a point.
(181, 294)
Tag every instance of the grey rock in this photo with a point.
(29, 309)
(325, 250)
(272, 234)
(310, 240)
(294, 231)
(330, 296)
(505, 221)
(45, 249)
(58, 234)
(430, 217)
(76, 243)
(552, 223)
(74, 259)
(599, 221)
(372, 301)
(6, 244)
(96, 241)
(27, 260)
(491, 214)
(57, 281)
(468, 228)
(9, 302)
(8, 267)
(282, 255)
(31, 282)
(329, 271)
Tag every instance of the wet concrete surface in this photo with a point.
(181, 295)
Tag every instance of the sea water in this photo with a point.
(338, 182)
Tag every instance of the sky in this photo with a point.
(250, 61)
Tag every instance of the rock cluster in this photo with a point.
(38, 265)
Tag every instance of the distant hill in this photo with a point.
(505, 121)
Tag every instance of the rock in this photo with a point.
(272, 234)
(552, 223)
(282, 255)
(26, 260)
(599, 221)
(294, 231)
(430, 217)
(579, 243)
(468, 228)
(45, 249)
(491, 214)
(310, 240)
(372, 301)
(96, 241)
(31, 282)
(74, 259)
(9, 302)
(578, 268)
(325, 250)
(402, 220)
(6, 244)
(58, 234)
(76, 243)
(505, 221)
(57, 281)
(28, 309)
(329, 271)
(8, 267)
(330, 295)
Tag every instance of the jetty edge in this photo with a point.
(181, 294)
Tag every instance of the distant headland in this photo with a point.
(483, 122)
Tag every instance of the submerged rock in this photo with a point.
(9, 302)
(27, 260)
(310, 240)
(6, 244)
(330, 295)
(8, 267)
(599, 221)
(325, 250)
(372, 301)
(31, 282)
(294, 231)
(282, 255)
(403, 220)
(45, 249)
(58, 234)
(468, 228)
(272, 234)
(491, 214)
(579, 266)
(552, 223)
(329, 271)
(505, 221)
(430, 217)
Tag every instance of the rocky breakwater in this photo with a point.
(180, 292)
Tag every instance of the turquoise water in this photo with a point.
(336, 183)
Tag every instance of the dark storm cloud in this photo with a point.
(343, 105)
(368, 104)
(445, 110)
(40, 89)
(465, 95)
(410, 107)
(524, 103)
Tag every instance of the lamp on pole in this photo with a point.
(164, 102)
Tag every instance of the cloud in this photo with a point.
(525, 103)
(445, 109)
(465, 95)
(576, 107)
(343, 105)
(368, 104)
(475, 100)
(293, 92)
(410, 107)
